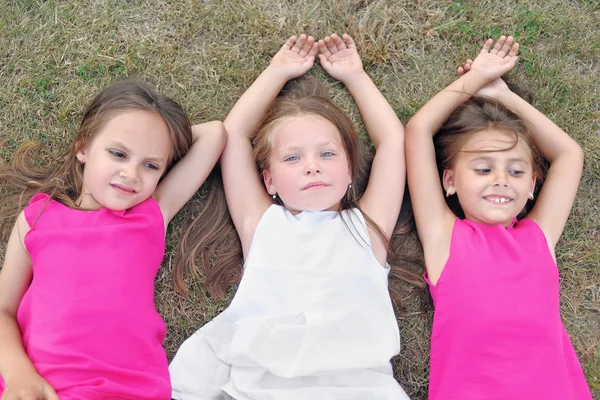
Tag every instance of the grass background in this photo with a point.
(55, 55)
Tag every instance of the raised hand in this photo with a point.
(493, 62)
(493, 89)
(340, 57)
(295, 57)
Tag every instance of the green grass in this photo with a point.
(55, 55)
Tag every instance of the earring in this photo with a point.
(449, 192)
(274, 196)
(350, 186)
(80, 158)
(530, 196)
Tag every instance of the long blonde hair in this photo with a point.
(211, 248)
(22, 178)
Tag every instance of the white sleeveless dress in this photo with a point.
(311, 319)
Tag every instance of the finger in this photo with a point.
(469, 61)
(505, 47)
(313, 50)
(460, 71)
(307, 46)
(498, 45)
(299, 43)
(486, 46)
(349, 41)
(339, 43)
(330, 45)
(289, 43)
(467, 66)
(324, 61)
(514, 50)
(323, 50)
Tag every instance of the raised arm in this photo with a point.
(18, 372)
(186, 177)
(566, 164)
(383, 195)
(433, 217)
(246, 198)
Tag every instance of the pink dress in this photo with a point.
(88, 319)
(497, 332)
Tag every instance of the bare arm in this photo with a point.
(17, 370)
(566, 164)
(433, 217)
(383, 197)
(246, 198)
(186, 177)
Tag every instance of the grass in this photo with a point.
(55, 55)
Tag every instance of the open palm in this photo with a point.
(296, 56)
(340, 57)
(493, 62)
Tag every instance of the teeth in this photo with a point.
(498, 199)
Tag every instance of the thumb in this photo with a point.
(49, 393)
(324, 62)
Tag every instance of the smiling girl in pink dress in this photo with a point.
(497, 331)
(77, 315)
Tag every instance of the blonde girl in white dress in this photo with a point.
(312, 317)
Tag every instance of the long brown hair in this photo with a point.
(476, 115)
(211, 248)
(22, 178)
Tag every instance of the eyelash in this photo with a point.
(483, 171)
(122, 156)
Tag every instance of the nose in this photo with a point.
(312, 166)
(500, 178)
(129, 172)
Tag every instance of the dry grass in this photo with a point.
(54, 55)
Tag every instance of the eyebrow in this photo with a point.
(127, 150)
(322, 144)
(514, 159)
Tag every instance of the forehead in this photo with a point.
(141, 131)
(304, 131)
(495, 143)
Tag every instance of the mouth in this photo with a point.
(497, 199)
(315, 185)
(122, 189)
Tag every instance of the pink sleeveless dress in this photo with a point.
(88, 319)
(497, 332)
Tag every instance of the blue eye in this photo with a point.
(327, 154)
(483, 170)
(151, 166)
(516, 172)
(117, 154)
(291, 158)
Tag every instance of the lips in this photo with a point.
(498, 199)
(122, 189)
(315, 185)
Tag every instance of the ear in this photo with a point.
(268, 179)
(533, 181)
(448, 180)
(81, 156)
(80, 149)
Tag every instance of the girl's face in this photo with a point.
(308, 166)
(124, 161)
(492, 184)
